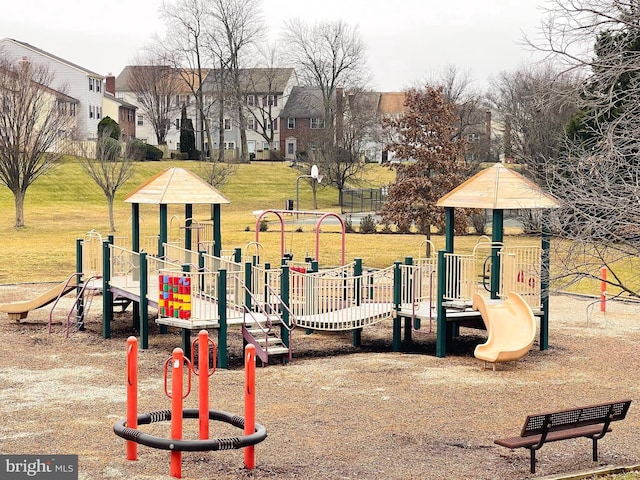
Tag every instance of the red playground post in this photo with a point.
(603, 289)
(132, 394)
(250, 403)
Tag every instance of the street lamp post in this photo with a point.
(314, 174)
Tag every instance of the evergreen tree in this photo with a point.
(187, 136)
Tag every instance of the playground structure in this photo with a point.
(266, 303)
(127, 428)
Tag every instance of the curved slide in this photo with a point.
(19, 310)
(511, 327)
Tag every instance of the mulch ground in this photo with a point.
(336, 411)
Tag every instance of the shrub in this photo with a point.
(152, 153)
(264, 225)
(348, 225)
(368, 224)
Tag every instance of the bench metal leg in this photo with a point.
(533, 460)
(595, 449)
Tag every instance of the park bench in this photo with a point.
(590, 422)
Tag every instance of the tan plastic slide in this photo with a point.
(511, 327)
(19, 310)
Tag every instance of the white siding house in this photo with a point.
(83, 85)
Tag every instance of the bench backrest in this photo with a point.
(575, 417)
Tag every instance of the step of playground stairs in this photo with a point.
(274, 350)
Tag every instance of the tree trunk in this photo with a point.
(18, 197)
(112, 222)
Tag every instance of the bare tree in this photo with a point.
(109, 166)
(597, 172)
(154, 83)
(326, 55)
(35, 121)
(240, 24)
(183, 48)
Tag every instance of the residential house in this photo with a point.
(263, 92)
(120, 111)
(302, 123)
(77, 82)
(173, 89)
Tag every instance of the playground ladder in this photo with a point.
(260, 328)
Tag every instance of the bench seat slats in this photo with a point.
(523, 442)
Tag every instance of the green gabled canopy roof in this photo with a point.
(176, 186)
(498, 188)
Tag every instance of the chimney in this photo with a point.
(110, 86)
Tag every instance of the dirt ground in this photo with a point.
(336, 411)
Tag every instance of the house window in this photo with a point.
(140, 120)
(98, 85)
(90, 111)
(227, 124)
(275, 124)
(72, 109)
(265, 145)
(98, 112)
(251, 100)
(473, 138)
(291, 123)
(316, 123)
(131, 116)
(269, 100)
(91, 84)
(251, 123)
(291, 148)
(275, 146)
(177, 124)
(229, 145)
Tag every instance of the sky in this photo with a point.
(407, 41)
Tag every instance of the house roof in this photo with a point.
(392, 103)
(498, 188)
(54, 57)
(364, 101)
(56, 93)
(176, 186)
(303, 102)
(254, 80)
(111, 97)
(182, 78)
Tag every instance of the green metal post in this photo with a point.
(79, 300)
(222, 314)
(497, 236)
(188, 216)
(357, 273)
(237, 254)
(284, 295)
(544, 282)
(314, 266)
(186, 333)
(107, 294)
(135, 227)
(449, 229)
(247, 283)
(441, 333)
(162, 238)
(217, 235)
(144, 302)
(397, 326)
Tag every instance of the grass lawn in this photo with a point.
(65, 204)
